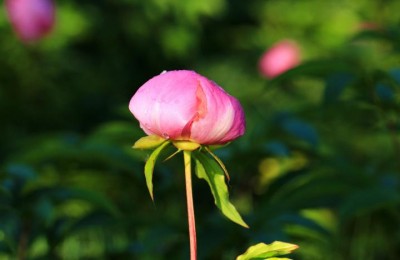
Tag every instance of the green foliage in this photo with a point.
(30, 211)
(263, 251)
(209, 170)
(318, 165)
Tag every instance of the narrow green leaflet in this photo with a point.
(209, 170)
(264, 251)
(149, 167)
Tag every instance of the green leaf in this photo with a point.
(149, 167)
(149, 142)
(221, 164)
(209, 170)
(264, 251)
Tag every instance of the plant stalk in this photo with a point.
(190, 206)
(23, 242)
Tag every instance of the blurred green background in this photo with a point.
(319, 165)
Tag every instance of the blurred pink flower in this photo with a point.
(31, 19)
(183, 105)
(368, 26)
(281, 57)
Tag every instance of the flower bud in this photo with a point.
(183, 105)
(31, 19)
(281, 57)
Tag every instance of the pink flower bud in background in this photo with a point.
(281, 57)
(31, 19)
(368, 26)
(183, 105)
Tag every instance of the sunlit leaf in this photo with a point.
(209, 170)
(149, 167)
(263, 251)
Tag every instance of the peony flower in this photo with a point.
(31, 19)
(183, 105)
(281, 57)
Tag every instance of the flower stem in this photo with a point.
(190, 206)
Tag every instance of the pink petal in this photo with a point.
(165, 104)
(221, 122)
(239, 123)
(281, 57)
(183, 105)
(31, 19)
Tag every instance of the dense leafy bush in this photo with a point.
(319, 165)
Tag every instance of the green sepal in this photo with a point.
(149, 142)
(264, 251)
(186, 145)
(149, 167)
(208, 169)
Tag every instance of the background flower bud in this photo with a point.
(183, 105)
(31, 19)
(281, 57)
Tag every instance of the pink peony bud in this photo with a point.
(31, 19)
(183, 105)
(281, 57)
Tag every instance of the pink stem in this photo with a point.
(190, 206)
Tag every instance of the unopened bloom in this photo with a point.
(281, 57)
(31, 19)
(183, 105)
